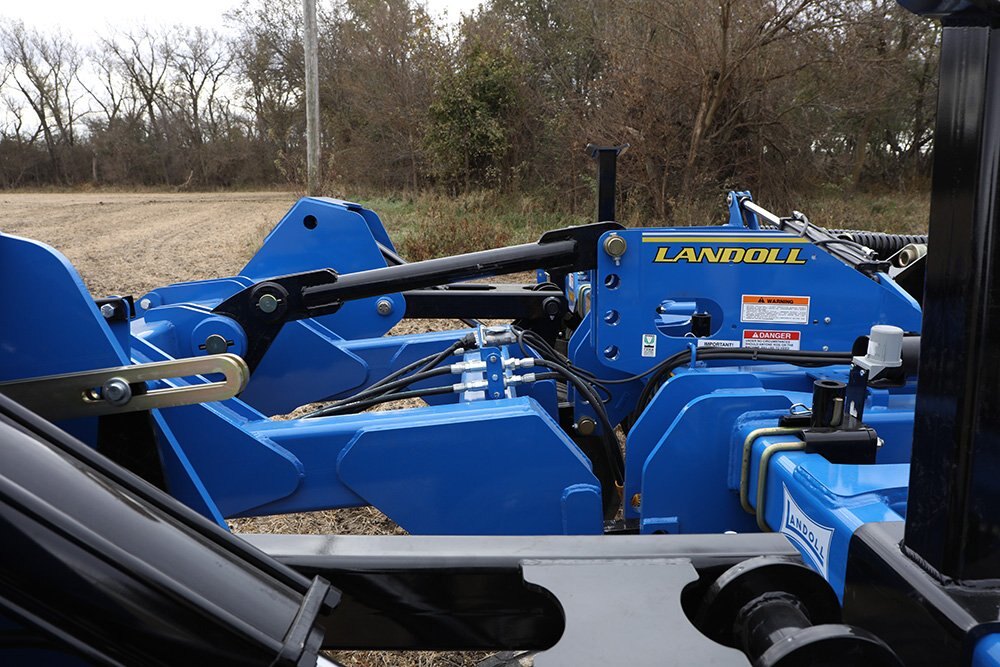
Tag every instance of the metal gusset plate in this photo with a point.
(109, 391)
(625, 612)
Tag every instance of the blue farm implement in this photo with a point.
(808, 414)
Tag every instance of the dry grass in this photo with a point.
(898, 212)
(431, 225)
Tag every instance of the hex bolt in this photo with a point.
(268, 303)
(494, 358)
(116, 391)
(108, 311)
(496, 394)
(495, 377)
(586, 426)
(826, 320)
(145, 304)
(384, 307)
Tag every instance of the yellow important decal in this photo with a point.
(730, 255)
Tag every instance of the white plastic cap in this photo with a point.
(885, 347)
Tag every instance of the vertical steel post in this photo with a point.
(607, 176)
(311, 46)
(953, 513)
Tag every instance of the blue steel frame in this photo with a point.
(687, 478)
(226, 459)
(667, 275)
(494, 461)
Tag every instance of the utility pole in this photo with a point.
(312, 97)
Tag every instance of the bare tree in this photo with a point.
(109, 88)
(712, 94)
(200, 62)
(144, 58)
(43, 68)
(270, 75)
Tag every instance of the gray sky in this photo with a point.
(84, 18)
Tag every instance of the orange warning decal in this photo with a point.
(776, 300)
(774, 309)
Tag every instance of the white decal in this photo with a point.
(649, 345)
(717, 342)
(765, 339)
(811, 538)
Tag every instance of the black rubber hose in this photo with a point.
(357, 406)
(885, 245)
(612, 447)
(467, 342)
(808, 358)
(420, 365)
(381, 390)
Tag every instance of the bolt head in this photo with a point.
(268, 303)
(496, 394)
(116, 391)
(145, 304)
(108, 311)
(826, 320)
(384, 307)
(586, 426)
(615, 246)
(494, 358)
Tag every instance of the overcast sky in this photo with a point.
(85, 18)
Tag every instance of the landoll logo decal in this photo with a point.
(812, 539)
(697, 255)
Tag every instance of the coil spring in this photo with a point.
(885, 245)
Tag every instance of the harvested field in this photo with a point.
(130, 243)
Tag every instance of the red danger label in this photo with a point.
(767, 339)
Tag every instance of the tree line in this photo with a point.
(710, 94)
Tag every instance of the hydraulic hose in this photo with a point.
(612, 448)
(885, 245)
(381, 390)
(357, 406)
(420, 365)
(662, 371)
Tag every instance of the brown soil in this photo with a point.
(130, 243)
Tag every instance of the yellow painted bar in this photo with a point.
(722, 239)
